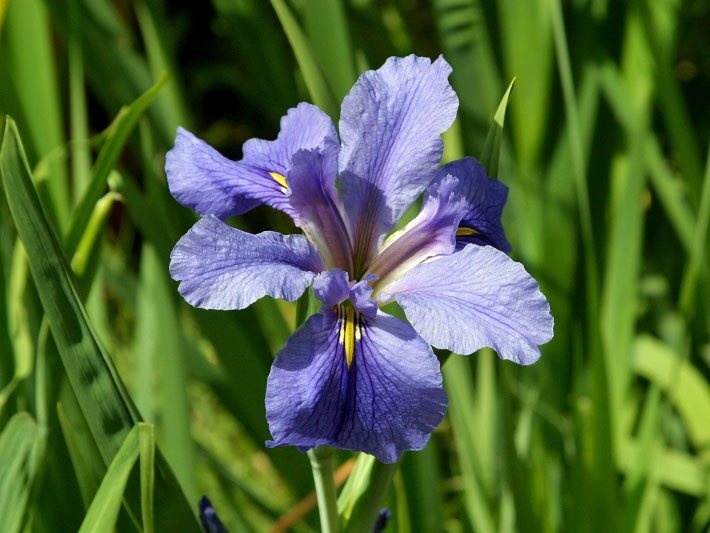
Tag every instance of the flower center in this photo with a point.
(280, 179)
(465, 232)
(349, 330)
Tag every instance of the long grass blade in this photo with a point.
(321, 94)
(106, 505)
(101, 394)
(118, 133)
(20, 439)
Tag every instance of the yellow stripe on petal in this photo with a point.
(279, 178)
(465, 232)
(349, 331)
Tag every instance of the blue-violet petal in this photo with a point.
(201, 178)
(485, 198)
(220, 267)
(474, 298)
(387, 401)
(390, 128)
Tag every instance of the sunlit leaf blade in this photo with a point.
(118, 133)
(312, 74)
(146, 443)
(422, 474)
(676, 470)
(87, 365)
(683, 384)
(169, 355)
(34, 75)
(468, 47)
(699, 247)
(490, 155)
(332, 48)
(104, 401)
(104, 509)
(169, 104)
(364, 501)
(461, 397)
(78, 113)
(20, 439)
(19, 322)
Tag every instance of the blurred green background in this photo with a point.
(605, 152)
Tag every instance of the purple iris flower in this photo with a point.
(353, 376)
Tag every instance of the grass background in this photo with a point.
(605, 151)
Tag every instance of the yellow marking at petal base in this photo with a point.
(279, 178)
(465, 232)
(349, 331)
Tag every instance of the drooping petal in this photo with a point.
(485, 198)
(388, 400)
(220, 267)
(201, 178)
(316, 207)
(474, 298)
(431, 233)
(390, 127)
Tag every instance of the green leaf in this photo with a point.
(699, 247)
(102, 396)
(527, 54)
(19, 322)
(103, 513)
(31, 65)
(460, 385)
(312, 75)
(146, 443)
(468, 47)
(118, 133)
(79, 121)
(675, 470)
(491, 149)
(86, 462)
(166, 353)
(19, 443)
(682, 383)
(86, 257)
(332, 48)
(169, 104)
(360, 503)
(422, 477)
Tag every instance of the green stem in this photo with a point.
(322, 466)
(369, 502)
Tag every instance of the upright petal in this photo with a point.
(201, 178)
(390, 127)
(361, 296)
(316, 207)
(388, 400)
(485, 198)
(220, 267)
(431, 233)
(474, 298)
(332, 286)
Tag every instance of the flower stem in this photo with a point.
(369, 502)
(322, 466)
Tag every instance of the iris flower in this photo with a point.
(353, 376)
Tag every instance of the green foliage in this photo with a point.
(609, 208)
(20, 454)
